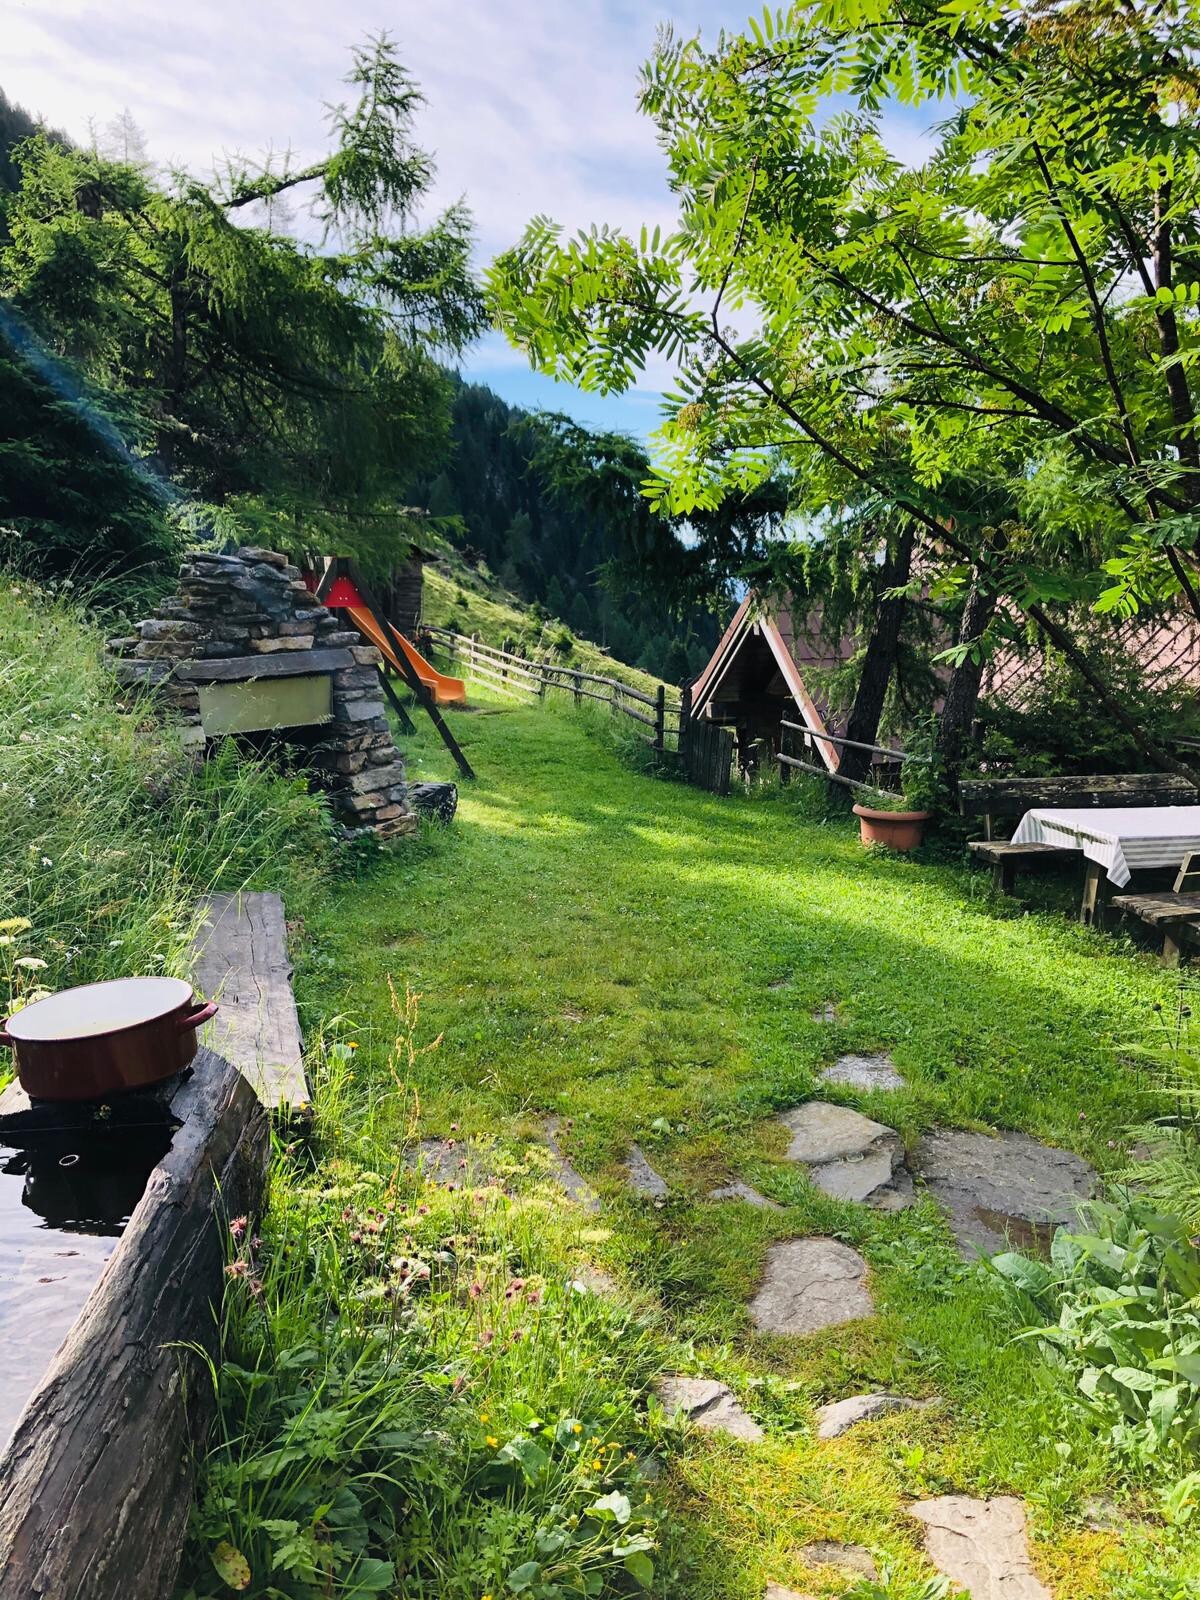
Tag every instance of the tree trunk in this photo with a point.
(962, 691)
(879, 660)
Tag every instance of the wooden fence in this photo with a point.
(707, 755)
(797, 736)
(519, 677)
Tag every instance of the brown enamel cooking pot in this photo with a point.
(102, 1039)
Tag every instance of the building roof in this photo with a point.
(770, 622)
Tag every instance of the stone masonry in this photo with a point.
(255, 604)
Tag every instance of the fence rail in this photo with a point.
(513, 675)
(808, 742)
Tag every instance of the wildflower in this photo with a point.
(238, 1228)
(46, 861)
(236, 1269)
(422, 1211)
(475, 1291)
(577, 1427)
(352, 1044)
(534, 1296)
(492, 1442)
(256, 1287)
(485, 1416)
(1083, 1116)
(597, 1465)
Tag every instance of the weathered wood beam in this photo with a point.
(97, 1477)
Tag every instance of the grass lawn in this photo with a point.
(644, 961)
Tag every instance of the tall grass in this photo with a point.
(110, 830)
(416, 1395)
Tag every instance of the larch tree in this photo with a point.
(293, 379)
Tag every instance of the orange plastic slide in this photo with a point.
(445, 691)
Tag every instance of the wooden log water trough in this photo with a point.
(110, 1286)
(96, 1478)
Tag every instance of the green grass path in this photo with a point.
(644, 960)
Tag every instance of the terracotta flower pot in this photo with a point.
(899, 830)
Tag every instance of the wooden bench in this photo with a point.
(1176, 914)
(993, 798)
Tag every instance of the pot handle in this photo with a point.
(5, 1036)
(196, 1019)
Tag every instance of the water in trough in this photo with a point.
(65, 1199)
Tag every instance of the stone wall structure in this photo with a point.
(249, 617)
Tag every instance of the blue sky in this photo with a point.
(531, 109)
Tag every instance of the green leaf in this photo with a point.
(232, 1567)
(640, 1567)
(612, 1507)
(372, 1576)
(522, 1578)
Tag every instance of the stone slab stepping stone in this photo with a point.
(737, 1190)
(573, 1184)
(982, 1545)
(594, 1280)
(850, 1157)
(643, 1177)
(845, 1557)
(707, 1404)
(1002, 1191)
(864, 1072)
(834, 1419)
(450, 1161)
(825, 1013)
(810, 1284)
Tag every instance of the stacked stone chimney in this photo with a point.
(255, 604)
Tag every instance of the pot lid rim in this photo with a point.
(73, 1028)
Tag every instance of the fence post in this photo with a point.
(660, 717)
(685, 716)
(474, 636)
(578, 690)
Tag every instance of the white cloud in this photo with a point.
(531, 107)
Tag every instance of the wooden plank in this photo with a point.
(240, 960)
(282, 664)
(98, 1473)
(1014, 796)
(1160, 909)
(1002, 850)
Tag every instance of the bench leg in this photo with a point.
(1002, 877)
(1091, 907)
(1170, 950)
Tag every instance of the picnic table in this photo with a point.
(1117, 841)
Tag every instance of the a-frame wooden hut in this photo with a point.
(754, 679)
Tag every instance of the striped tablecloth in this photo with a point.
(1123, 839)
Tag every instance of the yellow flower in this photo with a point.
(598, 1465)
(577, 1427)
(484, 1417)
(352, 1044)
(492, 1441)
